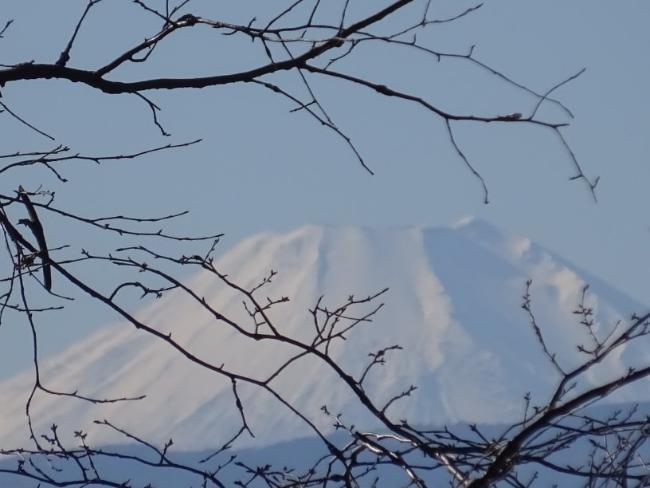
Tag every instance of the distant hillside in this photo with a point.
(454, 305)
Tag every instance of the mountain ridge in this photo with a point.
(454, 304)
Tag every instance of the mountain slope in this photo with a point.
(454, 305)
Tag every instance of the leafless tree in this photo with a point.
(307, 39)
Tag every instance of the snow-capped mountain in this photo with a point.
(454, 305)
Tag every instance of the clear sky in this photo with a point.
(262, 168)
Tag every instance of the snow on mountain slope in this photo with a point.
(454, 305)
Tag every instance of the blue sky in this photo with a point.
(262, 168)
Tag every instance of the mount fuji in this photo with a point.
(454, 305)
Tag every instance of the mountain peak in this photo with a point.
(454, 305)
